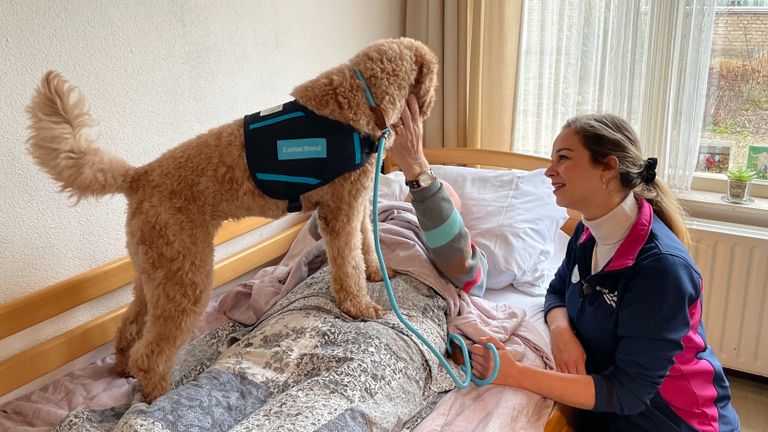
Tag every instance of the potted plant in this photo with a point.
(738, 184)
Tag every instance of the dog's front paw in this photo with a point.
(362, 309)
(375, 275)
(154, 380)
(152, 387)
(121, 366)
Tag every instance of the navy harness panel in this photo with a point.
(292, 150)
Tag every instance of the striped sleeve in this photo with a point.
(448, 240)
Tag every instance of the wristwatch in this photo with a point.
(421, 181)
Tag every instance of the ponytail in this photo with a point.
(666, 207)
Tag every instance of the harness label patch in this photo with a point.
(269, 111)
(306, 148)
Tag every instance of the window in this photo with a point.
(735, 128)
(660, 64)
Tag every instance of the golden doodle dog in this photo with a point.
(177, 202)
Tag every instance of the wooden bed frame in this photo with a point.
(29, 310)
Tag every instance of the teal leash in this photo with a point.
(452, 337)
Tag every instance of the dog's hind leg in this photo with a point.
(131, 328)
(177, 278)
(340, 224)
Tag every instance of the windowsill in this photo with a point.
(719, 183)
(709, 205)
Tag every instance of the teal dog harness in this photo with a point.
(290, 150)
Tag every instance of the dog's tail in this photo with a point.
(57, 141)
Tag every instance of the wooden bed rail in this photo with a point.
(34, 308)
(490, 158)
(34, 362)
(562, 419)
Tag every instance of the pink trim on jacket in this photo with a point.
(636, 237)
(692, 379)
(585, 235)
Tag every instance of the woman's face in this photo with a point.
(577, 182)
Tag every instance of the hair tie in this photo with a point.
(649, 170)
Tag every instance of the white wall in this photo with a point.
(155, 73)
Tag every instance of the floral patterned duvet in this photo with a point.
(305, 366)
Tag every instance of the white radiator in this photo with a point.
(733, 260)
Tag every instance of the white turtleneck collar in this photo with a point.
(610, 230)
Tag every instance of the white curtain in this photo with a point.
(646, 61)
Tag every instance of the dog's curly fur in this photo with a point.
(177, 202)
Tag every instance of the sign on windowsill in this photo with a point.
(714, 156)
(757, 160)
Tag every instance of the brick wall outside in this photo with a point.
(740, 34)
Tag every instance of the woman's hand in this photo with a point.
(567, 350)
(407, 151)
(569, 355)
(482, 362)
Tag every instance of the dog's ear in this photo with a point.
(425, 83)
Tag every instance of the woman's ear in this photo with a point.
(610, 166)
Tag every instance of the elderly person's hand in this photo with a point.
(407, 151)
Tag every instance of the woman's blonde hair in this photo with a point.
(608, 135)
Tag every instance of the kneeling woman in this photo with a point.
(624, 309)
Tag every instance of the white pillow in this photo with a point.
(511, 216)
(392, 187)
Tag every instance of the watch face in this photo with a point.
(425, 179)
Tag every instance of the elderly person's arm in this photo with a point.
(437, 208)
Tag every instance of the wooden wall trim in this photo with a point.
(36, 307)
(34, 362)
